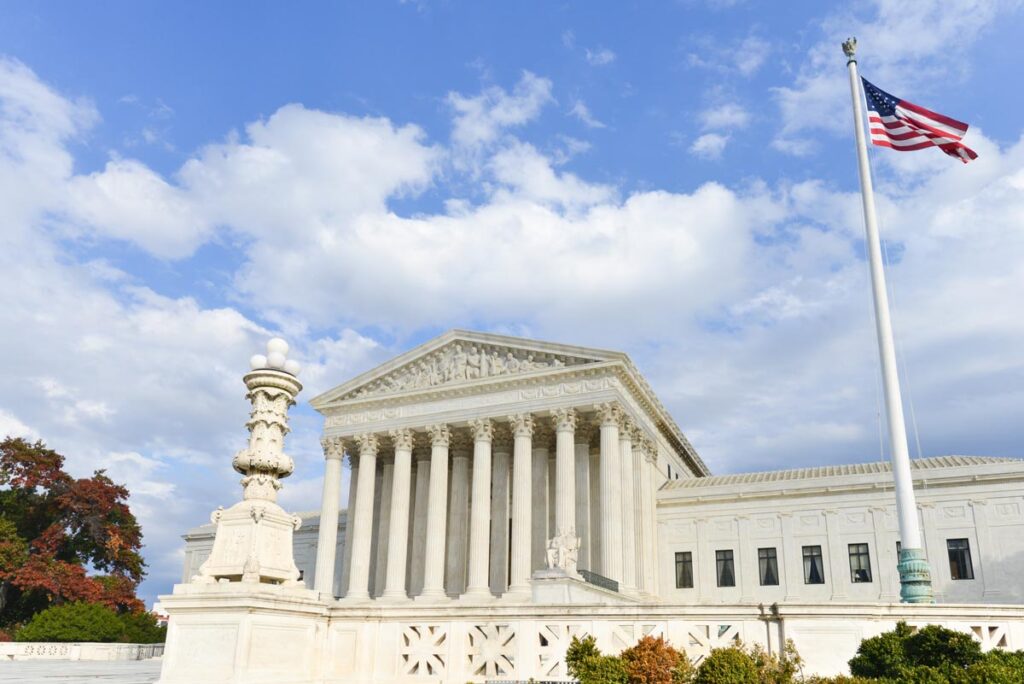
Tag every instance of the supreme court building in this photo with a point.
(507, 495)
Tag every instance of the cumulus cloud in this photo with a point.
(725, 116)
(479, 119)
(709, 145)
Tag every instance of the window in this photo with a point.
(768, 562)
(860, 563)
(726, 572)
(684, 570)
(960, 567)
(814, 570)
(899, 547)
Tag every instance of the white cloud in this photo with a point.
(743, 57)
(709, 145)
(481, 118)
(582, 112)
(600, 56)
(725, 116)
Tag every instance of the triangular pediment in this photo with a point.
(462, 357)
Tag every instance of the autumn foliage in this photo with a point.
(62, 539)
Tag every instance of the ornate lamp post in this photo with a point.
(253, 543)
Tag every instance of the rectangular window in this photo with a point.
(684, 570)
(768, 562)
(960, 567)
(860, 563)
(899, 547)
(725, 570)
(814, 569)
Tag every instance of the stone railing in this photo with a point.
(41, 650)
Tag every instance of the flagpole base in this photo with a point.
(915, 577)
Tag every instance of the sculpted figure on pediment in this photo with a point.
(474, 364)
(496, 364)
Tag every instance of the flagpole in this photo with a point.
(915, 574)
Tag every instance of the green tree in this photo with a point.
(882, 655)
(53, 526)
(731, 665)
(588, 665)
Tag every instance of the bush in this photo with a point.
(141, 628)
(939, 647)
(586, 663)
(73, 622)
(731, 665)
(882, 655)
(654, 661)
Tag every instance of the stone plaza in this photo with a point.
(507, 495)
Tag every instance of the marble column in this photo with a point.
(419, 521)
(595, 510)
(584, 431)
(350, 516)
(327, 539)
(383, 526)
(398, 541)
(500, 490)
(611, 493)
(362, 525)
(458, 514)
(650, 519)
(639, 492)
(539, 519)
(437, 505)
(479, 585)
(522, 504)
(565, 475)
(629, 550)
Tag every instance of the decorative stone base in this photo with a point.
(552, 587)
(915, 577)
(235, 633)
(253, 544)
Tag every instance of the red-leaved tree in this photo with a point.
(61, 538)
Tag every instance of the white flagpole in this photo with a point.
(915, 574)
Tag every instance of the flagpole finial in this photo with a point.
(850, 49)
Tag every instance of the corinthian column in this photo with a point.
(394, 587)
(437, 504)
(565, 475)
(583, 435)
(327, 539)
(458, 516)
(629, 554)
(611, 493)
(480, 514)
(362, 526)
(522, 473)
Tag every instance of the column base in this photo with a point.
(393, 597)
(915, 577)
(478, 595)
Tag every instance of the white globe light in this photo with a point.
(276, 360)
(258, 361)
(292, 366)
(276, 344)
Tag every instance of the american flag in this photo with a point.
(905, 126)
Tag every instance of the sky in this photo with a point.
(676, 180)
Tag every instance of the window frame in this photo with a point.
(768, 556)
(963, 554)
(684, 559)
(720, 564)
(819, 556)
(863, 554)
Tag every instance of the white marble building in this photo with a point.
(509, 494)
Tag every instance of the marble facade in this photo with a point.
(506, 495)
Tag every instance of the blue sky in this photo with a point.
(676, 180)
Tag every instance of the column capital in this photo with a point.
(627, 426)
(565, 419)
(460, 442)
(368, 444)
(584, 432)
(440, 435)
(402, 438)
(608, 413)
(521, 424)
(334, 448)
(543, 435)
(483, 430)
(502, 437)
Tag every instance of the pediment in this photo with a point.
(462, 357)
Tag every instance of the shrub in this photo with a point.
(939, 647)
(586, 663)
(731, 665)
(141, 628)
(73, 622)
(654, 661)
(882, 655)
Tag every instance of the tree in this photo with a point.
(655, 661)
(731, 665)
(54, 526)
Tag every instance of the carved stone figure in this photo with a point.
(563, 552)
(473, 364)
